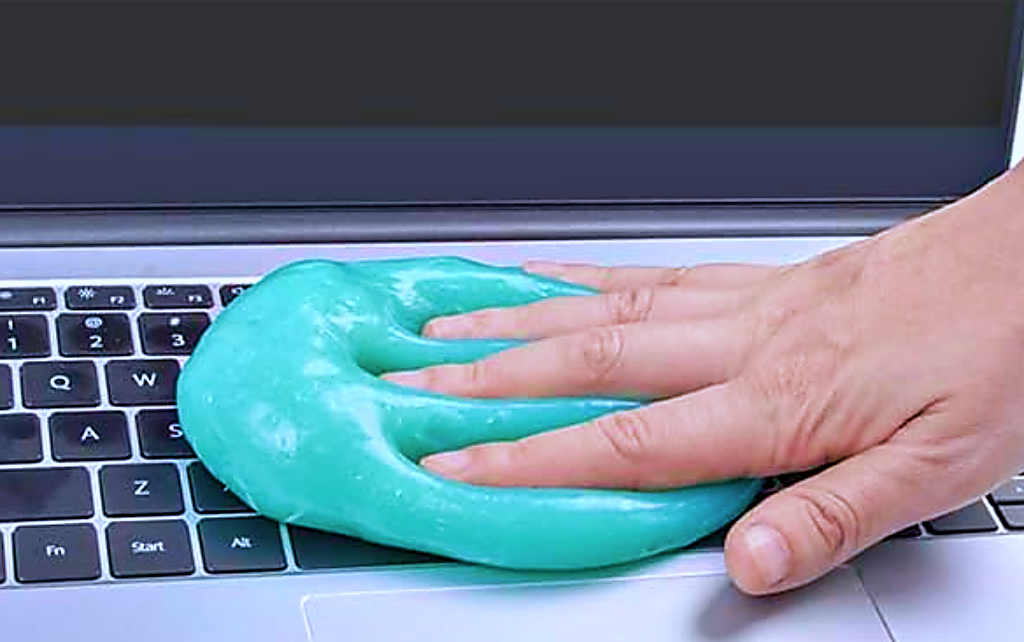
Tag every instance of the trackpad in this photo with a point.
(661, 609)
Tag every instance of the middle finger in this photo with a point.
(552, 317)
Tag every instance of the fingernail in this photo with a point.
(412, 378)
(447, 327)
(449, 464)
(769, 553)
(544, 268)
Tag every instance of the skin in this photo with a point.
(893, 366)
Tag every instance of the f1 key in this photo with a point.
(27, 299)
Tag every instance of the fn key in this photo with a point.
(142, 383)
(56, 553)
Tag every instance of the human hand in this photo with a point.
(897, 362)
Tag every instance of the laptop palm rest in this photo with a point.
(660, 609)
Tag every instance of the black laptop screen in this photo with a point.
(503, 100)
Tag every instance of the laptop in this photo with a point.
(157, 158)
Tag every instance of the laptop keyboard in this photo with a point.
(97, 483)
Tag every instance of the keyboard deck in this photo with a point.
(97, 483)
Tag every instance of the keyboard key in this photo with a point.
(100, 297)
(142, 383)
(149, 549)
(239, 544)
(973, 518)
(161, 436)
(1012, 492)
(56, 553)
(89, 436)
(319, 550)
(1012, 515)
(44, 493)
(713, 542)
(24, 336)
(211, 496)
(6, 388)
(3, 564)
(141, 489)
(20, 441)
(169, 334)
(59, 384)
(85, 335)
(27, 299)
(909, 532)
(229, 293)
(174, 297)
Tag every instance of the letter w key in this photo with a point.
(142, 383)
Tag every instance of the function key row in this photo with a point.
(101, 334)
(92, 436)
(168, 296)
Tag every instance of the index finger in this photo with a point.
(713, 434)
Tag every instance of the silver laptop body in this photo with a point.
(156, 158)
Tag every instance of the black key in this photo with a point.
(141, 489)
(149, 549)
(714, 541)
(89, 436)
(168, 334)
(319, 550)
(229, 293)
(1013, 515)
(1012, 492)
(211, 496)
(173, 297)
(44, 493)
(20, 441)
(907, 533)
(239, 544)
(161, 437)
(56, 553)
(83, 335)
(27, 299)
(6, 388)
(3, 573)
(142, 383)
(973, 518)
(24, 336)
(100, 297)
(59, 384)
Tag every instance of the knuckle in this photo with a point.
(599, 351)
(835, 521)
(798, 396)
(628, 434)
(474, 376)
(630, 306)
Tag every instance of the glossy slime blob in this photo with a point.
(282, 402)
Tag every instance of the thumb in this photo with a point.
(802, 532)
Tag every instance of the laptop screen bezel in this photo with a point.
(97, 166)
